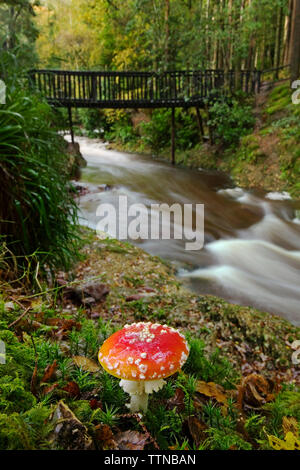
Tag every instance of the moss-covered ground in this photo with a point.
(238, 389)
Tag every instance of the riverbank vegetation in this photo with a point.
(63, 291)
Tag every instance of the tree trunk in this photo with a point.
(278, 42)
(287, 34)
(295, 42)
(167, 32)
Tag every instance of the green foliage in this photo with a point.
(94, 122)
(109, 416)
(165, 425)
(18, 34)
(230, 120)
(209, 368)
(111, 393)
(25, 431)
(286, 403)
(38, 214)
(226, 439)
(156, 133)
(279, 98)
(13, 395)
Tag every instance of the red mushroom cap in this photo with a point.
(144, 351)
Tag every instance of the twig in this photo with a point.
(19, 318)
(143, 426)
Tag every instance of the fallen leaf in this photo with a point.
(49, 372)
(253, 392)
(95, 404)
(50, 388)
(197, 430)
(177, 401)
(212, 390)
(290, 442)
(86, 364)
(104, 437)
(72, 389)
(98, 292)
(131, 440)
(67, 431)
(65, 323)
(290, 424)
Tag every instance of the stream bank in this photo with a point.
(268, 158)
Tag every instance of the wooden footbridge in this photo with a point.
(119, 90)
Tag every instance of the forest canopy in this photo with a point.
(165, 34)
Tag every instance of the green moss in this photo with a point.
(25, 431)
(226, 439)
(286, 403)
(14, 396)
(211, 367)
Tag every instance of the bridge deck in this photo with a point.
(80, 89)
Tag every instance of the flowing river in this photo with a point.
(251, 254)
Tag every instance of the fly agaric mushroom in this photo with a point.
(142, 355)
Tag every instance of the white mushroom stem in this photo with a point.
(139, 392)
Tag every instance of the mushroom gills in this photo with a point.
(139, 392)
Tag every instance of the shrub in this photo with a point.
(37, 211)
(119, 126)
(230, 120)
(93, 121)
(157, 132)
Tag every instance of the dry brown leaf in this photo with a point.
(104, 437)
(177, 401)
(131, 440)
(197, 430)
(72, 389)
(95, 404)
(253, 392)
(67, 431)
(212, 390)
(50, 388)
(290, 424)
(49, 372)
(86, 364)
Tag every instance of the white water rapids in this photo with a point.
(251, 254)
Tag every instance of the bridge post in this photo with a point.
(173, 136)
(71, 124)
(200, 123)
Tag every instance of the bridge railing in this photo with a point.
(139, 89)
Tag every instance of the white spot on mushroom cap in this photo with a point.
(143, 368)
